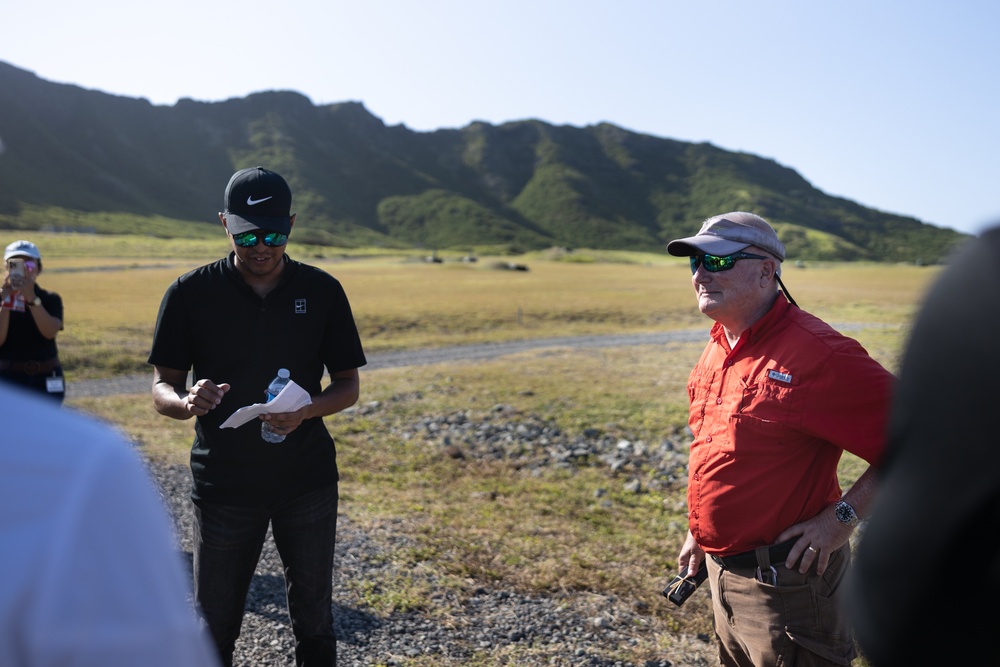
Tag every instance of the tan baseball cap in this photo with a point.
(728, 233)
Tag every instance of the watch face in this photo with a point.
(845, 514)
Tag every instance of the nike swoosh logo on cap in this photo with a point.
(251, 201)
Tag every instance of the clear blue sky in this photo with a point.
(890, 103)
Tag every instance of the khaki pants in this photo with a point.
(800, 622)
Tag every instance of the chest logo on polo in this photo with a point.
(779, 376)
(300, 306)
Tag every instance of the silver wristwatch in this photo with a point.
(845, 513)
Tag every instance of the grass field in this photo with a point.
(483, 520)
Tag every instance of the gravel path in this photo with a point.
(136, 384)
(476, 627)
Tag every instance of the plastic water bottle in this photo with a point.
(273, 389)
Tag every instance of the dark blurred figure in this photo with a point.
(928, 563)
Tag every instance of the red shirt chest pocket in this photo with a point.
(773, 397)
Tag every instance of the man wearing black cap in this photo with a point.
(775, 399)
(234, 323)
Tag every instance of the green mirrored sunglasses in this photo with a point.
(250, 239)
(714, 263)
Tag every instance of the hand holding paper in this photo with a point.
(290, 399)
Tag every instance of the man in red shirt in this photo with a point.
(776, 398)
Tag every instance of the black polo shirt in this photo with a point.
(212, 322)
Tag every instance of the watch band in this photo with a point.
(37, 301)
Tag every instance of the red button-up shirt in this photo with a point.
(771, 419)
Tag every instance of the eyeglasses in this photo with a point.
(250, 239)
(714, 263)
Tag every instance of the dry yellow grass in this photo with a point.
(399, 303)
(489, 520)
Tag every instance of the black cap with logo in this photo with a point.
(257, 198)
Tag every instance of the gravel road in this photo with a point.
(136, 384)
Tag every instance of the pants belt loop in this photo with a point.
(765, 571)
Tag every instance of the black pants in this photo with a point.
(37, 383)
(227, 547)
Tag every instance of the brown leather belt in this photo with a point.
(29, 367)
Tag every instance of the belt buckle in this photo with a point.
(32, 367)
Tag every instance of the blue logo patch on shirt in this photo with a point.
(300, 306)
(780, 377)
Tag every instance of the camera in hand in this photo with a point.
(16, 268)
(681, 587)
(14, 299)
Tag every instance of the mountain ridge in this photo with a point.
(72, 157)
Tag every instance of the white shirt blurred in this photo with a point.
(90, 574)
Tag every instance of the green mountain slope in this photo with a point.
(74, 158)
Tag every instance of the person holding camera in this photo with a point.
(776, 398)
(30, 318)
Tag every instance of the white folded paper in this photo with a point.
(289, 399)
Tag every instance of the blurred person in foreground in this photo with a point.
(91, 573)
(235, 322)
(928, 562)
(775, 399)
(29, 321)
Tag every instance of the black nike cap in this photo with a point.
(258, 198)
